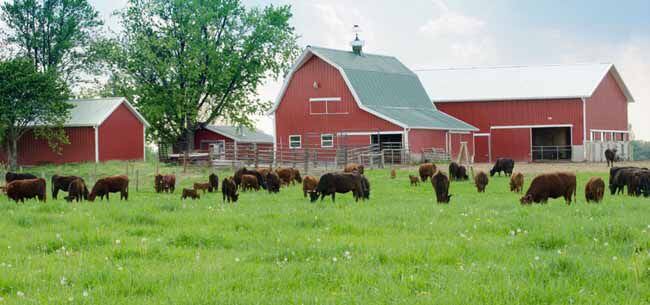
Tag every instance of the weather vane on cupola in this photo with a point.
(357, 44)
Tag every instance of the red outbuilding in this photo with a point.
(334, 98)
(536, 113)
(98, 130)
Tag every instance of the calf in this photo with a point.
(229, 190)
(62, 183)
(517, 183)
(249, 182)
(165, 183)
(552, 185)
(11, 177)
(201, 187)
(332, 183)
(309, 184)
(190, 193)
(414, 180)
(19, 190)
(244, 171)
(610, 156)
(354, 168)
(286, 175)
(503, 165)
(440, 183)
(77, 191)
(213, 179)
(273, 182)
(481, 181)
(108, 185)
(457, 172)
(594, 190)
(393, 174)
(426, 171)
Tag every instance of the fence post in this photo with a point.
(137, 180)
(306, 160)
(257, 155)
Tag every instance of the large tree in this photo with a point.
(30, 100)
(56, 35)
(189, 62)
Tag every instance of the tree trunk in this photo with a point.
(12, 153)
(189, 146)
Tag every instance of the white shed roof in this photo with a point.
(517, 82)
(93, 112)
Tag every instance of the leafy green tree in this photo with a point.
(56, 35)
(31, 100)
(189, 62)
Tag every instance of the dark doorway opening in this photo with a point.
(551, 144)
(387, 141)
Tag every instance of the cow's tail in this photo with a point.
(471, 170)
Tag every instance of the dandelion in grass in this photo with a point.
(117, 241)
(20, 293)
(334, 259)
(614, 258)
(536, 258)
(63, 281)
(512, 233)
(237, 259)
(85, 294)
(518, 230)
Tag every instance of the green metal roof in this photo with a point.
(243, 135)
(387, 87)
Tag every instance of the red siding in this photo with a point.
(121, 136)
(420, 139)
(203, 138)
(484, 115)
(293, 114)
(482, 149)
(607, 108)
(511, 143)
(454, 141)
(32, 151)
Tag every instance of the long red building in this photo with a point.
(98, 130)
(532, 113)
(334, 98)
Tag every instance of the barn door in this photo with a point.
(482, 148)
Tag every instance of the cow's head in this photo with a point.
(528, 199)
(92, 196)
(297, 177)
(313, 196)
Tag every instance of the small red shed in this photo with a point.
(536, 113)
(98, 130)
(223, 140)
(335, 98)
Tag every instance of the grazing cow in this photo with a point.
(11, 177)
(201, 187)
(296, 176)
(62, 183)
(426, 171)
(620, 177)
(19, 190)
(273, 182)
(244, 171)
(332, 183)
(264, 171)
(190, 193)
(595, 189)
(77, 190)
(108, 185)
(249, 182)
(309, 184)
(610, 155)
(457, 172)
(643, 187)
(286, 175)
(393, 174)
(353, 168)
(414, 180)
(229, 190)
(552, 185)
(440, 183)
(517, 183)
(481, 180)
(213, 179)
(366, 187)
(165, 183)
(503, 165)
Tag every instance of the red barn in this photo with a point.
(98, 130)
(534, 113)
(333, 98)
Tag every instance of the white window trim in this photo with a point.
(299, 141)
(332, 140)
(325, 100)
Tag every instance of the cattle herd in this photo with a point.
(21, 186)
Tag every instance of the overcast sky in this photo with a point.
(434, 33)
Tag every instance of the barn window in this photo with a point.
(295, 142)
(327, 105)
(327, 140)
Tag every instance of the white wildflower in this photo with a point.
(117, 241)
(20, 293)
(85, 294)
(518, 230)
(512, 233)
(334, 259)
(536, 258)
(63, 281)
(237, 259)
(614, 258)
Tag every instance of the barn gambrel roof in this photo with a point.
(384, 87)
(543, 82)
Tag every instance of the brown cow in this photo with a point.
(393, 174)
(213, 179)
(273, 182)
(77, 191)
(190, 193)
(19, 190)
(481, 180)
(285, 174)
(165, 183)
(249, 182)
(108, 185)
(517, 183)
(414, 180)
(595, 190)
(309, 184)
(426, 171)
(62, 183)
(354, 168)
(296, 176)
(552, 185)
(440, 183)
(201, 187)
(229, 190)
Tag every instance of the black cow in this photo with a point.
(62, 183)
(332, 183)
(273, 182)
(366, 187)
(457, 172)
(610, 155)
(620, 177)
(440, 183)
(503, 165)
(11, 177)
(229, 190)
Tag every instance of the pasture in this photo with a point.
(398, 248)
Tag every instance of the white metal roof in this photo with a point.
(93, 112)
(517, 82)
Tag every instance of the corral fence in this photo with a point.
(595, 151)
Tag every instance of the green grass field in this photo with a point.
(398, 248)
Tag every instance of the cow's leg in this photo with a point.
(55, 191)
